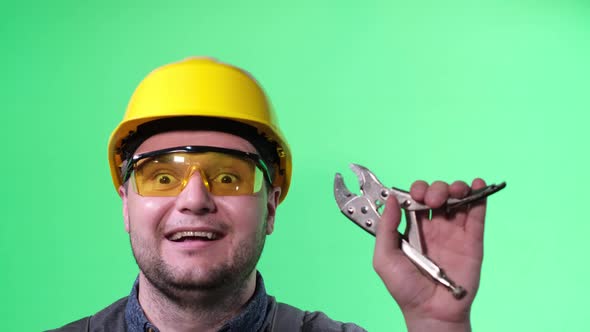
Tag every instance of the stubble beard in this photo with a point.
(184, 287)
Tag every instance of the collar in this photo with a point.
(251, 318)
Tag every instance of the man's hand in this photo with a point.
(453, 241)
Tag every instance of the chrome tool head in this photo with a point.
(341, 193)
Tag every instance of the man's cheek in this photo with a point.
(147, 209)
(152, 204)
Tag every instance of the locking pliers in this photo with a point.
(364, 211)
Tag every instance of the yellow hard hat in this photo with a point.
(207, 88)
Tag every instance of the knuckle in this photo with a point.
(440, 185)
(418, 189)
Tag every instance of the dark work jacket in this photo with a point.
(281, 318)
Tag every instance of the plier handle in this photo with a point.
(364, 211)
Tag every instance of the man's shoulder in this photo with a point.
(319, 321)
(111, 318)
(290, 316)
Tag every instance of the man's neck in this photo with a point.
(206, 311)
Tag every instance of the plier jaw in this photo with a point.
(364, 210)
(352, 205)
(378, 193)
(341, 193)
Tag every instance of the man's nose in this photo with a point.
(195, 198)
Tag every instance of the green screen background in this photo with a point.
(412, 89)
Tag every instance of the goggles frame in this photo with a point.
(129, 166)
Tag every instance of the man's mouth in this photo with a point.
(193, 236)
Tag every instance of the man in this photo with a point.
(201, 166)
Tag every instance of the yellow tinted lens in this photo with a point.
(160, 176)
(222, 174)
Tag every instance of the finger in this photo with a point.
(459, 189)
(387, 242)
(437, 194)
(418, 190)
(476, 213)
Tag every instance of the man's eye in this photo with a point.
(226, 178)
(164, 179)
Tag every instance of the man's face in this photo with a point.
(239, 225)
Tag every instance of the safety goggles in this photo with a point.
(224, 172)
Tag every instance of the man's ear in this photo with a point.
(123, 195)
(271, 207)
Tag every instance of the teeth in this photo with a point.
(180, 235)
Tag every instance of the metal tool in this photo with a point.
(364, 211)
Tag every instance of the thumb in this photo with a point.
(387, 243)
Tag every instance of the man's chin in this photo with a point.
(175, 280)
(193, 282)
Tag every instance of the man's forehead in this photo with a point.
(195, 137)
